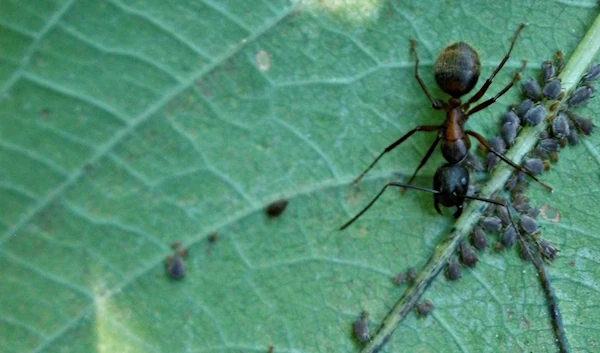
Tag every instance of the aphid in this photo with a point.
(400, 278)
(456, 71)
(532, 90)
(497, 144)
(503, 214)
(493, 224)
(549, 145)
(473, 162)
(271, 348)
(467, 256)
(533, 212)
(361, 327)
(523, 108)
(573, 138)
(453, 271)
(592, 74)
(581, 96)
(560, 126)
(552, 89)
(424, 308)
(478, 238)
(411, 274)
(529, 225)
(521, 203)
(276, 208)
(212, 237)
(524, 250)
(174, 264)
(548, 71)
(509, 132)
(509, 236)
(535, 115)
(511, 117)
(584, 125)
(534, 165)
(547, 249)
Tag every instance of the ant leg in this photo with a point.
(490, 101)
(436, 104)
(502, 157)
(347, 224)
(424, 160)
(425, 128)
(488, 82)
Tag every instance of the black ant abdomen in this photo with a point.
(457, 69)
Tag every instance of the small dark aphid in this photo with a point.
(361, 327)
(276, 208)
(502, 213)
(584, 125)
(560, 126)
(549, 145)
(411, 274)
(493, 224)
(509, 237)
(555, 105)
(535, 115)
(424, 308)
(511, 117)
(532, 90)
(271, 348)
(174, 264)
(521, 203)
(533, 212)
(478, 238)
(592, 74)
(212, 237)
(552, 89)
(529, 225)
(534, 165)
(473, 162)
(467, 256)
(523, 108)
(524, 251)
(547, 249)
(400, 278)
(453, 271)
(581, 96)
(548, 71)
(497, 143)
(520, 187)
(573, 138)
(509, 132)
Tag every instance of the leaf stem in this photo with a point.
(570, 76)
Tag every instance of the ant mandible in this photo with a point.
(456, 72)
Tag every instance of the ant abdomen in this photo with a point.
(457, 69)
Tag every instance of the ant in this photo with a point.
(456, 72)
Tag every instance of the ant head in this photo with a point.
(457, 69)
(452, 182)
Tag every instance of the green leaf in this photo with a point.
(128, 125)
